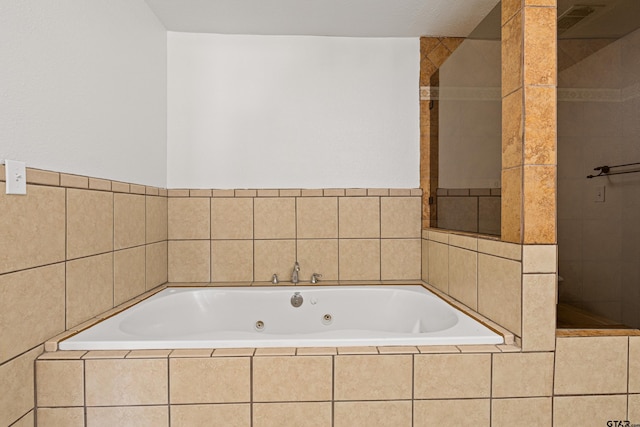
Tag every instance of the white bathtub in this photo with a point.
(330, 316)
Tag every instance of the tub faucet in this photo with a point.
(294, 274)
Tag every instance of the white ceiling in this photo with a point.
(344, 18)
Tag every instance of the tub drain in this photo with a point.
(327, 319)
(259, 325)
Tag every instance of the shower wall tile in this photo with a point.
(139, 416)
(522, 375)
(273, 257)
(156, 256)
(439, 265)
(232, 260)
(425, 260)
(286, 379)
(88, 298)
(359, 217)
(31, 308)
(512, 52)
(129, 220)
(453, 376)
(530, 412)
(588, 410)
(129, 267)
(60, 383)
(512, 129)
(189, 260)
(539, 297)
(383, 414)
(318, 256)
(317, 217)
(463, 276)
(89, 222)
(540, 132)
(156, 219)
(473, 412)
(539, 207)
(579, 362)
(68, 417)
(400, 217)
(275, 218)
(231, 218)
(375, 377)
(500, 291)
(539, 258)
(308, 414)
(540, 46)
(36, 236)
(188, 218)
(400, 259)
(221, 415)
(209, 380)
(359, 259)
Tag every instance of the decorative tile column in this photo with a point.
(529, 78)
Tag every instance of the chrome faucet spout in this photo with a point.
(295, 273)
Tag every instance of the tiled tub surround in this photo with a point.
(67, 229)
(473, 210)
(249, 235)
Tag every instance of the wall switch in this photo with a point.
(598, 194)
(16, 177)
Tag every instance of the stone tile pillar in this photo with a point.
(529, 78)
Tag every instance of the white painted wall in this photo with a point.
(292, 112)
(83, 88)
(470, 119)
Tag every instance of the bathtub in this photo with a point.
(327, 316)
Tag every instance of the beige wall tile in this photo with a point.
(375, 377)
(36, 235)
(88, 298)
(67, 417)
(156, 219)
(463, 276)
(458, 213)
(522, 375)
(500, 291)
(512, 53)
(509, 8)
(512, 198)
(210, 380)
(400, 259)
(439, 266)
(231, 218)
(128, 274)
(232, 260)
(579, 362)
(156, 264)
(278, 379)
(359, 217)
(535, 412)
(588, 410)
(539, 258)
(227, 415)
(489, 215)
(400, 217)
(539, 195)
(359, 259)
(634, 408)
(31, 308)
(113, 382)
(120, 187)
(274, 257)
(452, 376)
(317, 217)
(128, 416)
(539, 293)
(512, 129)
(67, 180)
(60, 382)
(540, 124)
(373, 414)
(188, 218)
(89, 222)
(318, 256)
(439, 236)
(292, 414)
(37, 176)
(275, 218)
(469, 412)
(27, 420)
(129, 220)
(425, 260)
(17, 379)
(464, 242)
(540, 45)
(189, 260)
(634, 365)
(500, 249)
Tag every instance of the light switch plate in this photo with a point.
(16, 177)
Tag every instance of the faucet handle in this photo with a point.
(315, 278)
(274, 279)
